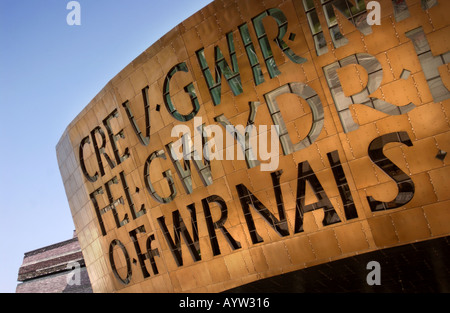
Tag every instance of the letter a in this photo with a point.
(373, 278)
(74, 277)
(74, 16)
(373, 17)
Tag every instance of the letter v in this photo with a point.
(144, 140)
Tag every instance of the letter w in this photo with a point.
(184, 172)
(232, 75)
(180, 230)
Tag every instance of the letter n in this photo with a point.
(247, 198)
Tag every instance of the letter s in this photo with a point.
(404, 182)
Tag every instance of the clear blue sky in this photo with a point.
(49, 71)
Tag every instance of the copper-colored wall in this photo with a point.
(425, 216)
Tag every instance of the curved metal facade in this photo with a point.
(356, 163)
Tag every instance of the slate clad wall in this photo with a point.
(46, 270)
